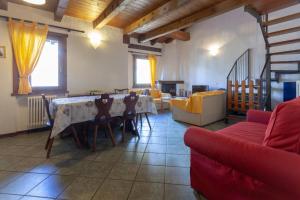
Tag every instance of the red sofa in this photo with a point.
(238, 163)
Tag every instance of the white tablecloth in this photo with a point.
(67, 111)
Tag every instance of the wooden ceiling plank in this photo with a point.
(60, 9)
(112, 10)
(158, 12)
(215, 10)
(3, 4)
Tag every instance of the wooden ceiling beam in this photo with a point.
(169, 6)
(3, 4)
(180, 35)
(113, 9)
(215, 10)
(144, 48)
(169, 40)
(177, 35)
(60, 9)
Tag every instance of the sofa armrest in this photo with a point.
(258, 116)
(277, 168)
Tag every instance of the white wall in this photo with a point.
(234, 32)
(105, 68)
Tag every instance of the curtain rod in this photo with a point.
(39, 23)
(135, 52)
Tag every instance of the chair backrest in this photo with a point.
(103, 105)
(122, 91)
(130, 102)
(46, 105)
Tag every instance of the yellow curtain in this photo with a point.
(153, 63)
(28, 41)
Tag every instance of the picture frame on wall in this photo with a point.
(2, 52)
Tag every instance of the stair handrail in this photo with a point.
(244, 70)
(265, 96)
(236, 61)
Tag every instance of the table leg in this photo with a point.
(50, 147)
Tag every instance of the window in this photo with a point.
(141, 71)
(47, 64)
(49, 75)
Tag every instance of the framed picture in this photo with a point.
(2, 52)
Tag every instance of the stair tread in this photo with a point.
(284, 42)
(284, 31)
(296, 51)
(285, 62)
(282, 19)
(286, 71)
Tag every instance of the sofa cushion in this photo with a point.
(283, 130)
(246, 131)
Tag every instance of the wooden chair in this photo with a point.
(122, 91)
(129, 114)
(50, 124)
(103, 117)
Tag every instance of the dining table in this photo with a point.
(68, 111)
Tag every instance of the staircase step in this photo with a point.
(285, 31)
(284, 42)
(286, 71)
(282, 19)
(286, 62)
(296, 51)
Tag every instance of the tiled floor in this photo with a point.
(154, 167)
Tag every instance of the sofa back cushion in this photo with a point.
(283, 131)
(154, 93)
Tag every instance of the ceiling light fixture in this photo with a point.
(214, 50)
(95, 39)
(36, 2)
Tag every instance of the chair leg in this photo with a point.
(111, 134)
(75, 135)
(137, 118)
(123, 132)
(148, 121)
(49, 148)
(136, 129)
(141, 120)
(95, 138)
(105, 133)
(85, 133)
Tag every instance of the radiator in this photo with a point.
(37, 115)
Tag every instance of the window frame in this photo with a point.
(62, 68)
(135, 85)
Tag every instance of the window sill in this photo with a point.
(37, 93)
(141, 86)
